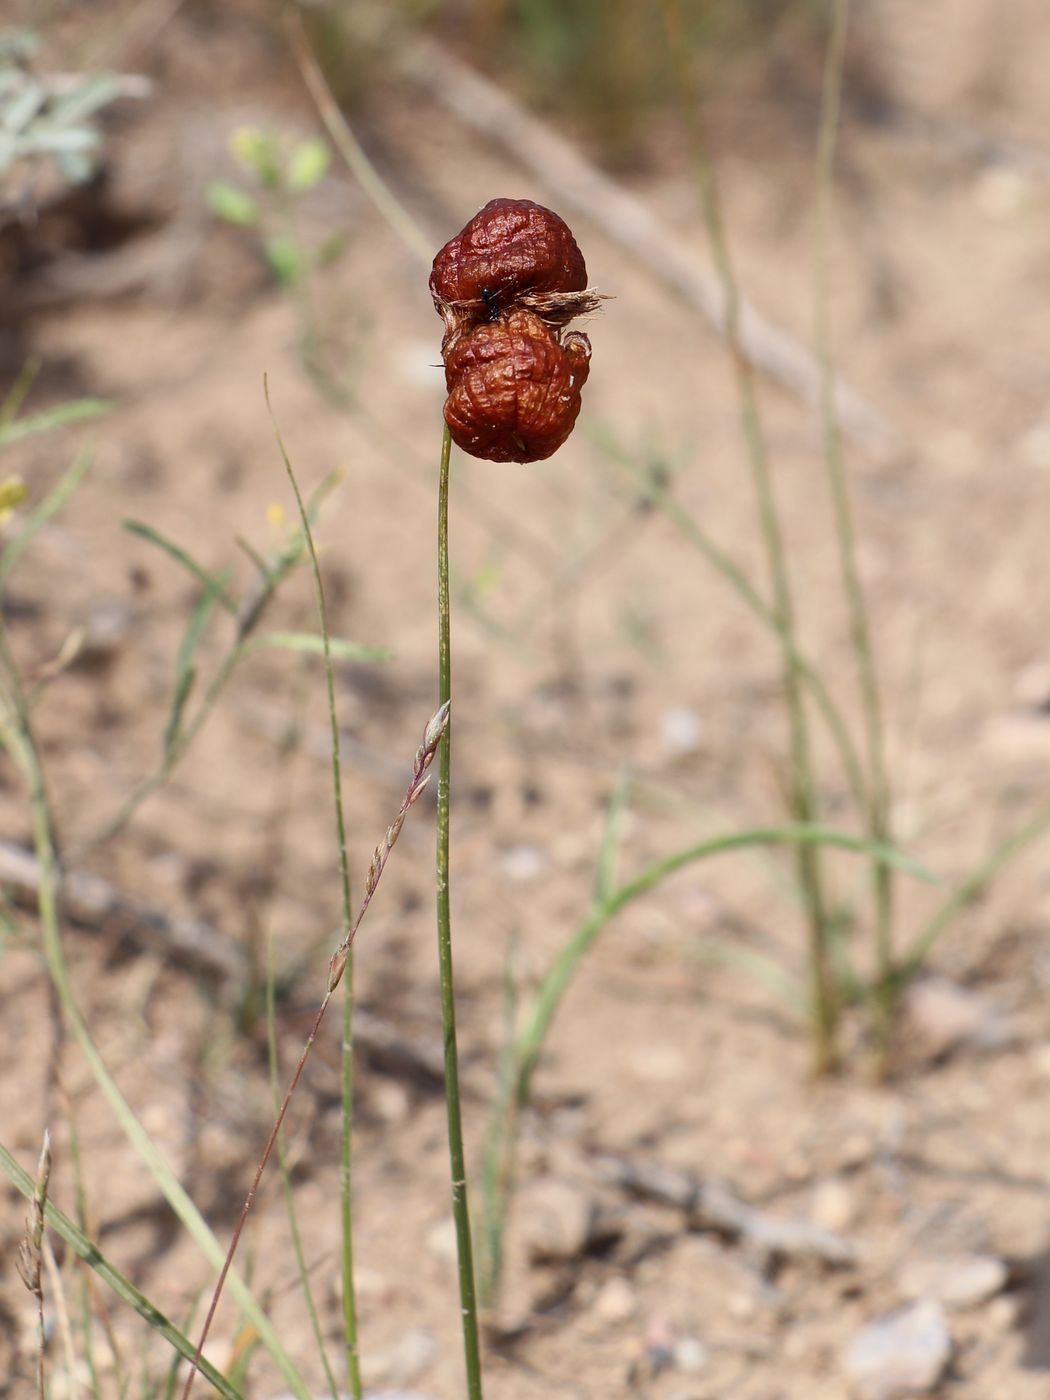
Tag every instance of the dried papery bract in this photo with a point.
(506, 287)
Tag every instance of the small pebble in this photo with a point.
(407, 1359)
(957, 1281)
(681, 730)
(1040, 1056)
(1031, 687)
(441, 1240)
(559, 1220)
(833, 1206)
(903, 1354)
(659, 1064)
(1004, 1313)
(945, 1016)
(524, 863)
(616, 1301)
(1001, 192)
(856, 1150)
(105, 631)
(690, 1356)
(659, 1344)
(390, 1100)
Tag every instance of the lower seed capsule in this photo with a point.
(514, 387)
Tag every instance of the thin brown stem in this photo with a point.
(336, 967)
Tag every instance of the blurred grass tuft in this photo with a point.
(600, 66)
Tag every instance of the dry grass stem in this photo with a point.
(30, 1252)
(432, 737)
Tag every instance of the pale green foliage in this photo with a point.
(47, 117)
(280, 172)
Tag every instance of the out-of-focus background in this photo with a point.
(176, 223)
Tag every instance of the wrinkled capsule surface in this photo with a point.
(509, 248)
(514, 387)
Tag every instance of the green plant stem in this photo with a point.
(86, 1250)
(498, 1158)
(968, 889)
(824, 1006)
(748, 594)
(803, 800)
(518, 1066)
(457, 1157)
(348, 146)
(16, 734)
(877, 807)
(554, 984)
(353, 1362)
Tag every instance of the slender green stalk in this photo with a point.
(748, 594)
(353, 1363)
(15, 733)
(877, 808)
(86, 1250)
(555, 983)
(30, 1259)
(969, 889)
(519, 1063)
(498, 1158)
(824, 1007)
(351, 150)
(83, 1282)
(457, 1157)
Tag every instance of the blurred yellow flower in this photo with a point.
(12, 493)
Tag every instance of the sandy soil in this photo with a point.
(589, 637)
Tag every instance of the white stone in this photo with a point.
(524, 863)
(690, 1356)
(957, 1281)
(833, 1205)
(681, 730)
(946, 1015)
(903, 1354)
(616, 1301)
(559, 1219)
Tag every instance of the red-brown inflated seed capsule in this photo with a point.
(511, 248)
(514, 388)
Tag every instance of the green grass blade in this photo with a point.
(612, 837)
(19, 391)
(37, 518)
(185, 669)
(350, 1325)
(658, 495)
(555, 983)
(173, 1370)
(176, 552)
(19, 740)
(497, 1163)
(80, 411)
(85, 1249)
(760, 968)
(314, 644)
(969, 889)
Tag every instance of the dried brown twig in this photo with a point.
(432, 736)
(708, 1206)
(31, 1254)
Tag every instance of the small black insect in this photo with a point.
(491, 300)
